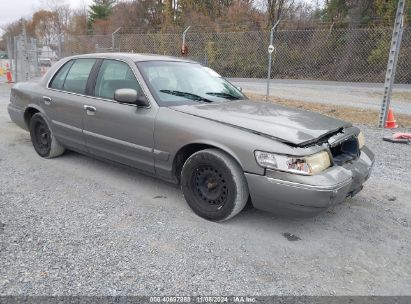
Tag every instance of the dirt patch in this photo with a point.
(403, 96)
(354, 115)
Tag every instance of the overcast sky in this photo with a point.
(11, 10)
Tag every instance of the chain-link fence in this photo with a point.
(23, 57)
(354, 55)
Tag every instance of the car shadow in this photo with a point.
(127, 176)
(161, 193)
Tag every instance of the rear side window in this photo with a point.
(58, 80)
(76, 79)
(114, 75)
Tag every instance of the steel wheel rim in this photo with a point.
(42, 137)
(209, 187)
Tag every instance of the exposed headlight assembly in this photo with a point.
(361, 140)
(305, 165)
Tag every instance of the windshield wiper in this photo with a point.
(224, 95)
(187, 95)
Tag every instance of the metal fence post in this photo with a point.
(16, 61)
(25, 53)
(184, 34)
(270, 51)
(10, 51)
(35, 62)
(183, 46)
(113, 39)
(392, 62)
(59, 45)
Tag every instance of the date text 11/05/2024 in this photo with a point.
(202, 299)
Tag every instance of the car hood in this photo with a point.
(289, 125)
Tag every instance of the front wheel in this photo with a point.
(214, 185)
(43, 139)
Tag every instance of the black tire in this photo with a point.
(214, 185)
(43, 139)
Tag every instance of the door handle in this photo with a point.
(90, 110)
(47, 100)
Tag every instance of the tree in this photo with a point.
(45, 25)
(277, 9)
(335, 10)
(78, 24)
(63, 11)
(168, 11)
(100, 9)
(12, 29)
(386, 10)
(102, 27)
(361, 12)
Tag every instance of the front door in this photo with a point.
(119, 131)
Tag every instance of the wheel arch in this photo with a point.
(29, 112)
(190, 148)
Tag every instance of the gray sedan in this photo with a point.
(177, 120)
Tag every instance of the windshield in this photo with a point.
(176, 83)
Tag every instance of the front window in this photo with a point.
(175, 83)
(114, 75)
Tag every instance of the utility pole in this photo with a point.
(392, 62)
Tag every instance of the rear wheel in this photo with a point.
(43, 139)
(214, 185)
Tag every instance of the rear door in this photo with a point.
(119, 131)
(65, 100)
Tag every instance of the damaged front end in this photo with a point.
(345, 146)
(294, 193)
(310, 158)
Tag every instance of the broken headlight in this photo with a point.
(361, 140)
(306, 165)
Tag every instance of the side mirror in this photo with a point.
(130, 96)
(240, 89)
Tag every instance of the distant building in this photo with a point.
(47, 52)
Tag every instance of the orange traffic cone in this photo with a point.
(390, 123)
(8, 74)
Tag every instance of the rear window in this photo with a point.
(76, 79)
(58, 80)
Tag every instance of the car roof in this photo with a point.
(136, 57)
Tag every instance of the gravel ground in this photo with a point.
(77, 226)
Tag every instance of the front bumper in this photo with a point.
(294, 195)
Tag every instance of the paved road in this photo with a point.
(361, 95)
(77, 226)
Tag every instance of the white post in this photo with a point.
(270, 52)
(184, 34)
(113, 39)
